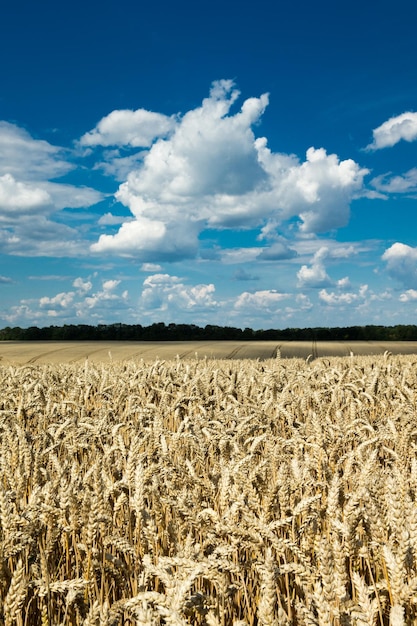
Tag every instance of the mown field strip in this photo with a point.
(17, 352)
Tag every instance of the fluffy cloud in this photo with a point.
(83, 286)
(163, 292)
(319, 190)
(30, 196)
(344, 283)
(401, 263)
(315, 275)
(267, 301)
(402, 126)
(212, 172)
(409, 296)
(129, 128)
(83, 304)
(341, 299)
(61, 300)
(17, 197)
(150, 239)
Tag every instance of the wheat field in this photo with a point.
(209, 492)
(40, 352)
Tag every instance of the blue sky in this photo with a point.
(216, 163)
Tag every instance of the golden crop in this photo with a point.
(206, 492)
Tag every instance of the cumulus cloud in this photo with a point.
(341, 299)
(344, 283)
(395, 129)
(85, 304)
(18, 197)
(210, 171)
(83, 286)
(129, 128)
(61, 300)
(401, 263)
(409, 296)
(315, 275)
(163, 291)
(319, 190)
(267, 301)
(150, 239)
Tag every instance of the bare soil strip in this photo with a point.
(34, 352)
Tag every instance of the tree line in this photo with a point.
(191, 332)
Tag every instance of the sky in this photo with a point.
(229, 163)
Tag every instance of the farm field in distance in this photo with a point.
(27, 352)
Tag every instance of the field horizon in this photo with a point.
(28, 352)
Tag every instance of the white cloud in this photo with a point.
(396, 184)
(108, 219)
(308, 245)
(110, 285)
(164, 292)
(234, 256)
(150, 239)
(129, 128)
(402, 263)
(61, 300)
(17, 197)
(28, 159)
(83, 305)
(315, 275)
(319, 190)
(337, 298)
(341, 299)
(409, 296)
(39, 236)
(267, 301)
(114, 163)
(150, 267)
(83, 286)
(212, 172)
(71, 196)
(30, 196)
(402, 126)
(344, 283)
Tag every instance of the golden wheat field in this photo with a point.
(28, 352)
(210, 492)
